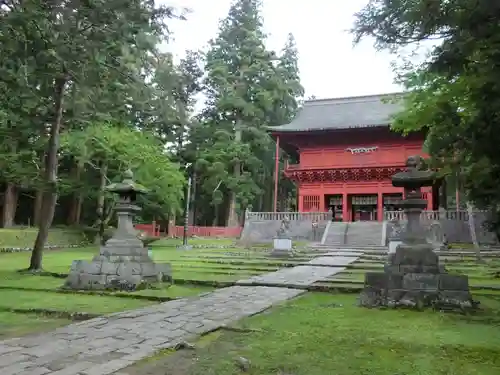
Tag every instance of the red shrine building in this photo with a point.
(347, 155)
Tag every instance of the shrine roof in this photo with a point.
(344, 113)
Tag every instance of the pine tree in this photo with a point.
(287, 107)
(288, 68)
(242, 88)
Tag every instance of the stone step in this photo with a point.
(372, 247)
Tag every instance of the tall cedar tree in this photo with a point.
(67, 44)
(242, 87)
(288, 107)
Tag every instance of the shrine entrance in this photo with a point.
(391, 201)
(334, 204)
(364, 207)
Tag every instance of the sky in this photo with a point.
(330, 66)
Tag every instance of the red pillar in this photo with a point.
(345, 208)
(321, 207)
(380, 207)
(430, 200)
(276, 172)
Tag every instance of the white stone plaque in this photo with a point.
(282, 244)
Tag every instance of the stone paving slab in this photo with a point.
(317, 269)
(108, 344)
(300, 275)
(343, 254)
(336, 261)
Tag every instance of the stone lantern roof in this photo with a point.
(127, 186)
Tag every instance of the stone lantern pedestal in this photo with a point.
(123, 262)
(282, 243)
(413, 276)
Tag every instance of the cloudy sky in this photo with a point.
(329, 65)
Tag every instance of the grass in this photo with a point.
(327, 334)
(13, 299)
(172, 242)
(480, 274)
(25, 237)
(13, 325)
(218, 261)
(21, 294)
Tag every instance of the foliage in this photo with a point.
(454, 95)
(248, 88)
(86, 92)
(68, 67)
(121, 148)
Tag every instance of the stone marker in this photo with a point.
(123, 262)
(282, 243)
(413, 276)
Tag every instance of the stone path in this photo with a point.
(105, 345)
(320, 268)
(345, 253)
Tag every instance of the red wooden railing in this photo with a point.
(153, 230)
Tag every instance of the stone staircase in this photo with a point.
(364, 233)
(360, 234)
(336, 234)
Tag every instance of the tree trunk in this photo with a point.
(50, 192)
(472, 229)
(108, 214)
(215, 221)
(10, 198)
(171, 225)
(100, 202)
(37, 208)
(232, 219)
(9, 205)
(77, 199)
(192, 203)
(443, 196)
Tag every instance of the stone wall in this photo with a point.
(448, 225)
(261, 227)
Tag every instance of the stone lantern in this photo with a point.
(413, 276)
(412, 180)
(127, 192)
(123, 262)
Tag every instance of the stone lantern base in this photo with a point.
(414, 278)
(122, 264)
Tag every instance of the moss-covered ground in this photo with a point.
(320, 333)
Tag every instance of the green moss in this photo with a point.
(17, 299)
(25, 237)
(14, 325)
(327, 334)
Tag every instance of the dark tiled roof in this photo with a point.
(344, 113)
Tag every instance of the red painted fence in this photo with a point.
(153, 230)
(209, 231)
